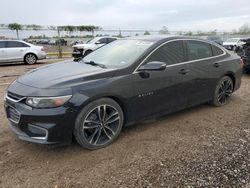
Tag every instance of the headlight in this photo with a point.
(47, 102)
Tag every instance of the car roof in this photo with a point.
(104, 37)
(18, 41)
(234, 38)
(161, 38)
(11, 40)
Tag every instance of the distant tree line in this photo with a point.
(243, 30)
(67, 28)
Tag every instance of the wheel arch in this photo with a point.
(116, 98)
(232, 76)
(28, 54)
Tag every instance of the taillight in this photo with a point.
(242, 63)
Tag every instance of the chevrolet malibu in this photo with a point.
(121, 83)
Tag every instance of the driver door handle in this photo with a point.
(217, 64)
(183, 71)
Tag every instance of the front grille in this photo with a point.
(14, 96)
(13, 114)
(75, 49)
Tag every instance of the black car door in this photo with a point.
(161, 92)
(204, 71)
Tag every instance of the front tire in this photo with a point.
(30, 59)
(223, 91)
(98, 124)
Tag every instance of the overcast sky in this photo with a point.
(223, 15)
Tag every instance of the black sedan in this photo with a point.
(121, 83)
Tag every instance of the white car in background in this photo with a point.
(232, 43)
(12, 51)
(81, 50)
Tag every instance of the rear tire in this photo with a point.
(30, 59)
(223, 92)
(98, 124)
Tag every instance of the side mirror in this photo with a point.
(153, 66)
(98, 42)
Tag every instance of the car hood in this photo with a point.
(229, 43)
(64, 74)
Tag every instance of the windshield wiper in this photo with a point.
(95, 64)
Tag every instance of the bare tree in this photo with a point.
(244, 29)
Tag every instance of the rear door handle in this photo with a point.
(217, 64)
(183, 71)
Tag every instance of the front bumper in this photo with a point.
(43, 126)
(77, 53)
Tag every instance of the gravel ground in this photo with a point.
(199, 147)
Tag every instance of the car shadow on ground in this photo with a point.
(18, 64)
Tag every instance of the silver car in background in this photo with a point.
(12, 51)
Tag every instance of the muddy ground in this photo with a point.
(199, 147)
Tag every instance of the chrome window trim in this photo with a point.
(185, 62)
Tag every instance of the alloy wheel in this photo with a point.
(30, 59)
(101, 125)
(225, 91)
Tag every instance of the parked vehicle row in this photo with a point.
(233, 43)
(244, 52)
(216, 39)
(12, 51)
(81, 50)
(62, 42)
(123, 82)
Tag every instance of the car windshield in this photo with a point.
(91, 41)
(120, 53)
(232, 40)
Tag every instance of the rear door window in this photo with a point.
(217, 51)
(198, 50)
(16, 44)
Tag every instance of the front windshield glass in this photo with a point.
(91, 41)
(120, 53)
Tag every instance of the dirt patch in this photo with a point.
(200, 147)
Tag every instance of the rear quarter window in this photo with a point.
(217, 51)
